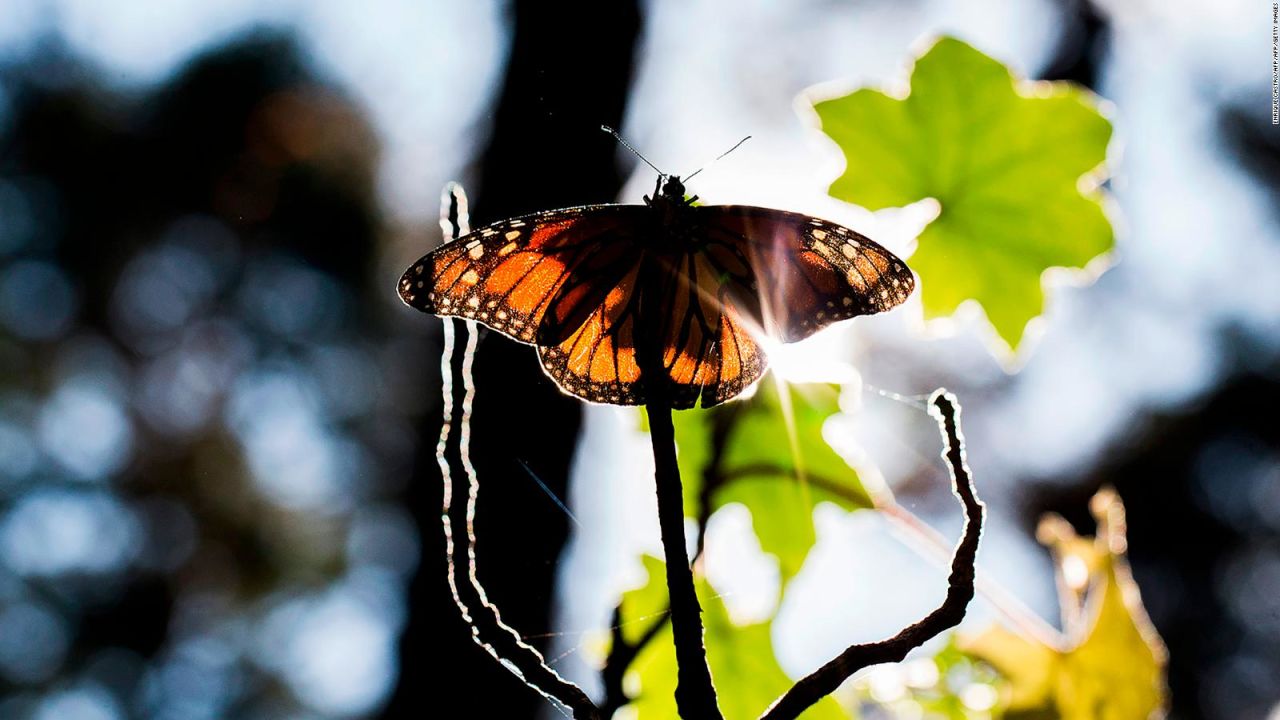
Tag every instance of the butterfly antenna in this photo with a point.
(627, 145)
(721, 155)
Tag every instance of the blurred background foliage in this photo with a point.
(217, 496)
(206, 424)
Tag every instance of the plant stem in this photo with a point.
(919, 535)
(695, 694)
(824, 681)
(930, 543)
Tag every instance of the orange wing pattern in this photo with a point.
(707, 353)
(597, 362)
(811, 272)
(574, 283)
(534, 278)
(708, 350)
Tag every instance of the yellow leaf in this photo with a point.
(1111, 663)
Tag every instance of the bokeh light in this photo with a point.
(37, 301)
(34, 640)
(51, 532)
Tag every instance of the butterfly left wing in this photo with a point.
(807, 272)
(532, 278)
(597, 361)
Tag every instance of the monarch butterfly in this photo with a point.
(599, 288)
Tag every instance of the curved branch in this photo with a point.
(929, 541)
(933, 544)
(823, 681)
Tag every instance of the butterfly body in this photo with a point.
(671, 209)
(663, 301)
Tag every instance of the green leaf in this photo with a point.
(1111, 665)
(746, 676)
(647, 604)
(1002, 157)
(779, 468)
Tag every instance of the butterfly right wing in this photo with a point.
(808, 272)
(758, 272)
(533, 278)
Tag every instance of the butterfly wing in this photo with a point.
(570, 281)
(747, 271)
(597, 361)
(533, 278)
(809, 272)
(706, 351)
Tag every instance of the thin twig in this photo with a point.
(934, 545)
(695, 694)
(929, 542)
(824, 681)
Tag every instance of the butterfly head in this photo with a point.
(673, 189)
(668, 194)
